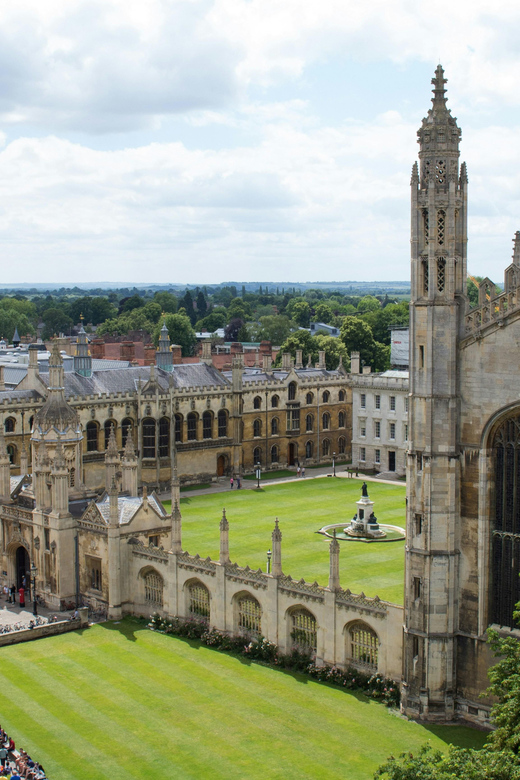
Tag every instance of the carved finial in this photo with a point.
(224, 524)
(463, 174)
(277, 534)
(516, 248)
(112, 444)
(129, 447)
(415, 174)
(439, 92)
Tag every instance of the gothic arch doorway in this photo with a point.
(222, 463)
(22, 566)
(291, 454)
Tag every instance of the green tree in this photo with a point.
(334, 350)
(166, 301)
(128, 304)
(275, 328)
(368, 303)
(238, 308)
(324, 313)
(56, 321)
(357, 336)
(10, 320)
(180, 332)
(153, 311)
(187, 303)
(213, 321)
(202, 306)
(299, 311)
(459, 763)
(300, 339)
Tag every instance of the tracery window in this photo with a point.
(207, 425)
(192, 426)
(257, 428)
(341, 420)
(440, 171)
(11, 451)
(249, 615)
(341, 395)
(441, 226)
(222, 423)
(10, 425)
(153, 588)
(308, 422)
(326, 421)
(309, 449)
(199, 600)
(274, 401)
(257, 455)
(274, 426)
(364, 646)
(309, 398)
(341, 445)
(325, 447)
(274, 454)
(505, 555)
(178, 427)
(92, 437)
(425, 276)
(164, 437)
(148, 437)
(326, 397)
(257, 403)
(426, 226)
(441, 274)
(292, 391)
(304, 629)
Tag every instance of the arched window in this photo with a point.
(127, 428)
(364, 646)
(309, 449)
(342, 445)
(10, 425)
(257, 427)
(309, 398)
(326, 421)
(148, 437)
(164, 437)
(505, 523)
(292, 391)
(199, 600)
(72, 477)
(249, 615)
(192, 426)
(274, 426)
(11, 451)
(92, 436)
(326, 396)
(274, 454)
(207, 425)
(341, 420)
(178, 427)
(222, 422)
(325, 447)
(109, 424)
(275, 400)
(341, 395)
(257, 455)
(441, 273)
(153, 589)
(309, 420)
(31, 420)
(425, 276)
(304, 629)
(257, 403)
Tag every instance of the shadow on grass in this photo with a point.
(458, 735)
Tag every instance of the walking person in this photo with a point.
(238, 483)
(13, 594)
(231, 483)
(303, 472)
(298, 470)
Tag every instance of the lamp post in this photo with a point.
(258, 475)
(269, 553)
(34, 572)
(333, 464)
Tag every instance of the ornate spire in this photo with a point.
(334, 563)
(276, 538)
(112, 452)
(129, 447)
(224, 523)
(439, 93)
(224, 539)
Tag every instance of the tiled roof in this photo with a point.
(128, 506)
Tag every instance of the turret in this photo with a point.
(276, 540)
(224, 539)
(82, 358)
(164, 358)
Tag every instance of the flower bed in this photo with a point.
(300, 659)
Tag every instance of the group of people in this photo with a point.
(232, 481)
(17, 764)
(10, 593)
(300, 471)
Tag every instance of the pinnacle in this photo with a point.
(112, 444)
(438, 82)
(129, 446)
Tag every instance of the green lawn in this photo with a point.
(302, 507)
(118, 701)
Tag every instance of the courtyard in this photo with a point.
(303, 506)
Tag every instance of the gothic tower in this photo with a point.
(438, 299)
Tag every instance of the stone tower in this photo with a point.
(164, 357)
(438, 300)
(82, 358)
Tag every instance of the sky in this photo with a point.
(201, 141)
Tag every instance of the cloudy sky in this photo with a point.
(250, 140)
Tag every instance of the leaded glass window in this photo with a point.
(304, 629)
(505, 555)
(364, 646)
(199, 600)
(149, 438)
(249, 615)
(164, 437)
(441, 274)
(222, 423)
(153, 589)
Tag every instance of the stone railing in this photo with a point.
(255, 579)
(301, 589)
(151, 553)
(49, 629)
(361, 603)
(491, 312)
(16, 513)
(196, 563)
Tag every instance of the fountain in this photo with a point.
(364, 524)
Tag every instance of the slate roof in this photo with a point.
(23, 395)
(257, 375)
(128, 506)
(101, 364)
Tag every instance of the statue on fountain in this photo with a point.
(364, 490)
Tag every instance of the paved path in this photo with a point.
(13, 613)
(250, 484)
